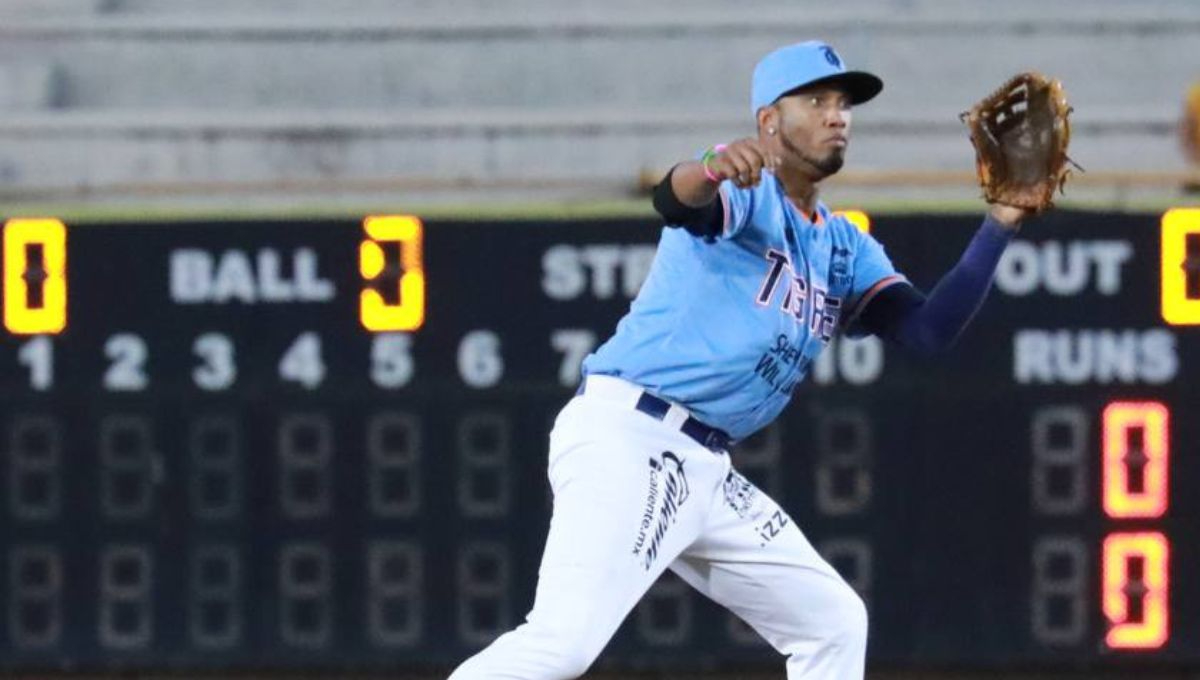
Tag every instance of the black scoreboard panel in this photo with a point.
(322, 444)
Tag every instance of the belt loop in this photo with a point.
(712, 440)
(671, 415)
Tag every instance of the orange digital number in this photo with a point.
(858, 218)
(402, 279)
(1136, 590)
(1136, 458)
(35, 276)
(1180, 270)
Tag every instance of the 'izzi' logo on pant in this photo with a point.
(668, 491)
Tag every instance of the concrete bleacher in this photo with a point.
(100, 95)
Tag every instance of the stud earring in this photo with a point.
(770, 131)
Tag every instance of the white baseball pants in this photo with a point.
(634, 496)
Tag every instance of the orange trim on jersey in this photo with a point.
(871, 293)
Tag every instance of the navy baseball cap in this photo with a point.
(807, 63)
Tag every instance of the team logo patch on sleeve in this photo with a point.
(839, 267)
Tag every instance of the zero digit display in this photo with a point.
(1181, 266)
(1136, 459)
(1136, 591)
(35, 276)
(397, 300)
(321, 444)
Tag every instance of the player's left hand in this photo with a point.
(1020, 134)
(1010, 216)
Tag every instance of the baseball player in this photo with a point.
(752, 278)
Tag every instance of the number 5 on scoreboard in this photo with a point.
(35, 276)
(393, 298)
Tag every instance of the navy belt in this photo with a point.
(704, 435)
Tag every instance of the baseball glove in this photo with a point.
(1020, 133)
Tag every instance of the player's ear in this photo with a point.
(768, 121)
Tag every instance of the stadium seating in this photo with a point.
(472, 94)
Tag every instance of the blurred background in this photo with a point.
(220, 460)
(343, 101)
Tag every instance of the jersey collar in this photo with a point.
(816, 219)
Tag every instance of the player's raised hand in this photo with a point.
(1010, 216)
(741, 161)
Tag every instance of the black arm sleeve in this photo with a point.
(928, 325)
(885, 311)
(705, 221)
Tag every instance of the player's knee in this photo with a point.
(841, 623)
(568, 651)
(849, 624)
(533, 651)
(575, 663)
(565, 659)
(576, 649)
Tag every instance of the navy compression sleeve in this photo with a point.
(705, 221)
(932, 325)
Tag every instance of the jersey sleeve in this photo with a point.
(737, 206)
(873, 272)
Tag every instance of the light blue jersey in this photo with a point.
(728, 328)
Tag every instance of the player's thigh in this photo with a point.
(626, 503)
(622, 482)
(754, 560)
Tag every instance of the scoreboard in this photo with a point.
(321, 444)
